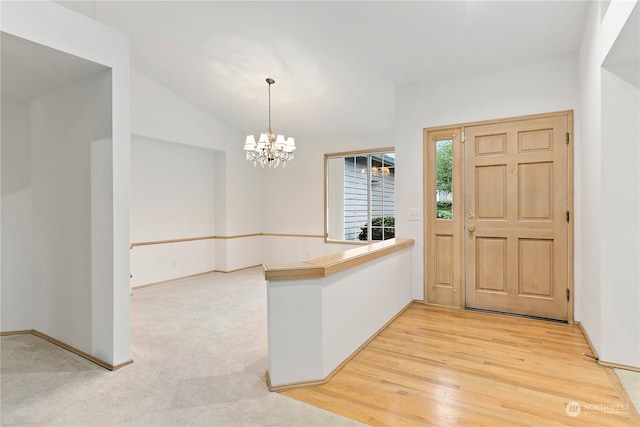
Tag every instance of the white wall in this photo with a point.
(65, 125)
(588, 174)
(17, 285)
(159, 115)
(84, 300)
(539, 86)
(172, 190)
(607, 228)
(314, 325)
(358, 303)
(157, 263)
(173, 195)
(620, 220)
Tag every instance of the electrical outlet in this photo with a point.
(414, 215)
(173, 263)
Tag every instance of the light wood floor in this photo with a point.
(442, 367)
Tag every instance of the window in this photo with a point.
(360, 196)
(444, 179)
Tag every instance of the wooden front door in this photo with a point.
(516, 205)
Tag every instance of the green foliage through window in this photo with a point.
(444, 162)
(443, 209)
(382, 228)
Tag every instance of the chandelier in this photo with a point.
(270, 150)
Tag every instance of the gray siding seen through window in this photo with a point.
(369, 197)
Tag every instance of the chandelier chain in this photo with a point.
(269, 106)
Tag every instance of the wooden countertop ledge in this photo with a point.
(330, 264)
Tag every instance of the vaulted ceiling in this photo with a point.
(335, 64)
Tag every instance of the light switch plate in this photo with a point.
(415, 215)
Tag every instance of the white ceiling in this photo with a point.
(335, 63)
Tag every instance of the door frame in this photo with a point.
(428, 198)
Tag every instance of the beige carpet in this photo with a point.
(630, 381)
(200, 352)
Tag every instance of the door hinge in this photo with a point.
(567, 138)
(463, 139)
(568, 216)
(568, 294)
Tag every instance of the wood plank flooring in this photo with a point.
(436, 366)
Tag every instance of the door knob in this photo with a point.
(471, 228)
(471, 215)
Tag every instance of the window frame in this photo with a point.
(368, 153)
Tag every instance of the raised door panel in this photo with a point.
(491, 192)
(491, 264)
(535, 191)
(535, 268)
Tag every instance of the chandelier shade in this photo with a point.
(271, 149)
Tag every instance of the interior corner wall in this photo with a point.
(173, 194)
(539, 86)
(17, 311)
(621, 220)
(69, 260)
(588, 174)
(620, 121)
(105, 325)
(161, 115)
(607, 175)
